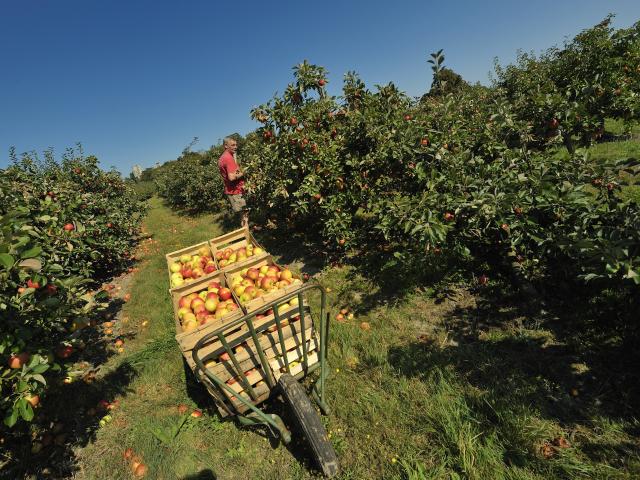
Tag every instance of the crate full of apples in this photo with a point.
(201, 307)
(261, 282)
(190, 264)
(236, 248)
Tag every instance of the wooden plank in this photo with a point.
(249, 359)
(257, 377)
(229, 237)
(262, 391)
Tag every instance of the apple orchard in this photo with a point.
(496, 178)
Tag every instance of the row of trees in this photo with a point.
(467, 170)
(65, 227)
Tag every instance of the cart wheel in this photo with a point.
(311, 425)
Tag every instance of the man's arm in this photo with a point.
(236, 174)
(233, 172)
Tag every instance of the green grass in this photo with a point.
(434, 390)
(618, 127)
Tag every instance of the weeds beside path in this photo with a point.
(464, 388)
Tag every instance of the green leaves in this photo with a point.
(6, 261)
(31, 253)
(45, 268)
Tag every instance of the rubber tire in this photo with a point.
(309, 420)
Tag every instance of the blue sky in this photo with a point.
(136, 80)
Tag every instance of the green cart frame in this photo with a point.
(278, 382)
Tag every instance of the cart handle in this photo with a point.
(324, 336)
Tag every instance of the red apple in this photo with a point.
(211, 304)
(184, 302)
(197, 272)
(211, 295)
(251, 291)
(197, 302)
(200, 308)
(19, 359)
(224, 293)
(267, 283)
(253, 273)
(69, 227)
(64, 351)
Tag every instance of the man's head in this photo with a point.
(230, 144)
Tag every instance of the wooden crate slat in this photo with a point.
(312, 359)
(295, 354)
(214, 348)
(255, 378)
(250, 359)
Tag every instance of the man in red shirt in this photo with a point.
(232, 178)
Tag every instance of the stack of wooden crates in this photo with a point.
(238, 336)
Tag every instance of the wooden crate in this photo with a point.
(259, 302)
(234, 240)
(249, 362)
(174, 256)
(187, 340)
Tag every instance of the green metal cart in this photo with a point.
(264, 354)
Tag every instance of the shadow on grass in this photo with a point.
(69, 414)
(573, 369)
(69, 418)
(298, 446)
(201, 475)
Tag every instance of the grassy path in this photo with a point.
(432, 390)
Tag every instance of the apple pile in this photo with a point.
(208, 305)
(229, 255)
(190, 267)
(253, 282)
